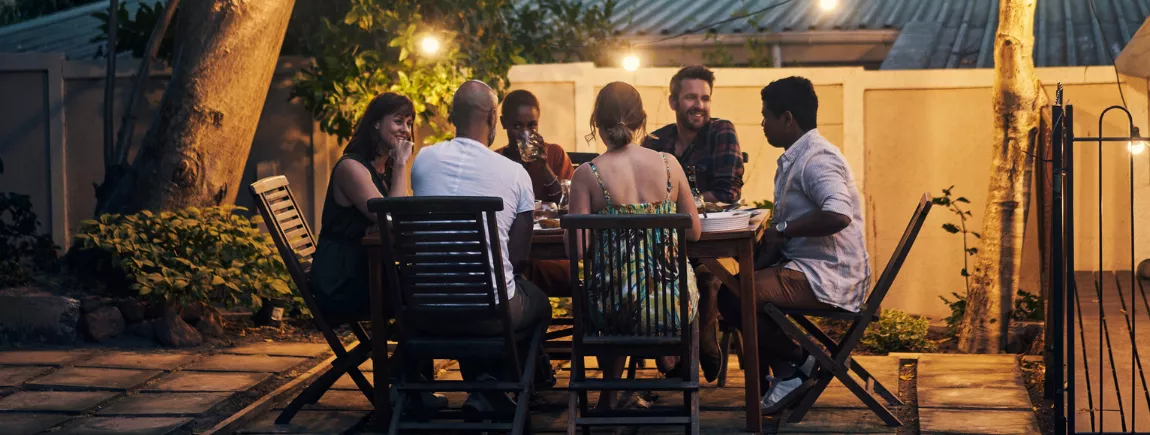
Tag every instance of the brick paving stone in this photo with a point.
(13, 376)
(56, 401)
(944, 421)
(822, 420)
(345, 382)
(40, 357)
(95, 378)
(173, 404)
(343, 401)
(207, 381)
(280, 349)
(124, 426)
(974, 398)
(29, 424)
(307, 421)
(139, 360)
(246, 363)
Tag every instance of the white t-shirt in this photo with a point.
(464, 167)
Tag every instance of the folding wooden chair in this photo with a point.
(635, 337)
(296, 244)
(438, 254)
(833, 359)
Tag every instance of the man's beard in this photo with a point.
(685, 120)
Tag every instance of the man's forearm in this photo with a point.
(818, 223)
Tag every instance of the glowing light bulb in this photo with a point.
(828, 5)
(1136, 148)
(429, 44)
(631, 62)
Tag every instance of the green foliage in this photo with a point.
(957, 310)
(15, 11)
(133, 32)
(560, 307)
(897, 331)
(23, 249)
(954, 205)
(211, 255)
(1028, 307)
(375, 48)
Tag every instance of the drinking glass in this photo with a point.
(530, 146)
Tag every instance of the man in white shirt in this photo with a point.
(814, 253)
(465, 166)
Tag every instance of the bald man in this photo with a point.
(466, 166)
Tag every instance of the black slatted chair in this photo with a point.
(833, 358)
(581, 158)
(438, 255)
(640, 338)
(296, 244)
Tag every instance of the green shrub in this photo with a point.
(1028, 307)
(211, 255)
(23, 249)
(897, 331)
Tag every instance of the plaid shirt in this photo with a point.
(718, 160)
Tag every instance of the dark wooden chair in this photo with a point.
(833, 358)
(581, 158)
(296, 244)
(640, 338)
(438, 254)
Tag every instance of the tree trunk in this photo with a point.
(194, 153)
(1018, 101)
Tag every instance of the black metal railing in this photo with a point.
(1093, 389)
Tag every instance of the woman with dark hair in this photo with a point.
(630, 179)
(375, 164)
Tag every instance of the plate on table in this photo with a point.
(725, 221)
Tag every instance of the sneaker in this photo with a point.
(808, 366)
(493, 401)
(782, 393)
(429, 401)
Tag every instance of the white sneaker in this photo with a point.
(808, 366)
(779, 390)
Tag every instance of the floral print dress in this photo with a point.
(641, 262)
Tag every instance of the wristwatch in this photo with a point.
(781, 227)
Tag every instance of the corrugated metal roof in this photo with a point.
(1065, 32)
(69, 32)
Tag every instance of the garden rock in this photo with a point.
(104, 323)
(132, 310)
(171, 330)
(89, 304)
(30, 314)
(145, 329)
(193, 312)
(1022, 336)
(211, 324)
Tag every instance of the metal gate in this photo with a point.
(1098, 317)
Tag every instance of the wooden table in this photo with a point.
(548, 245)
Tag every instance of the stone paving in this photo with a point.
(138, 392)
(964, 394)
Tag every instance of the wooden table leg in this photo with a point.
(380, 375)
(750, 335)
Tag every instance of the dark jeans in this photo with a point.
(786, 289)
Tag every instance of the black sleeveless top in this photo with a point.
(339, 273)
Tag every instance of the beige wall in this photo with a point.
(904, 133)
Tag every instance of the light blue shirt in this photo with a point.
(813, 175)
(464, 167)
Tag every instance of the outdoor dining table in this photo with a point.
(547, 244)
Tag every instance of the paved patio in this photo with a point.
(956, 394)
(132, 392)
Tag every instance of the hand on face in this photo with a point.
(395, 131)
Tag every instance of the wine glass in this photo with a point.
(530, 146)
